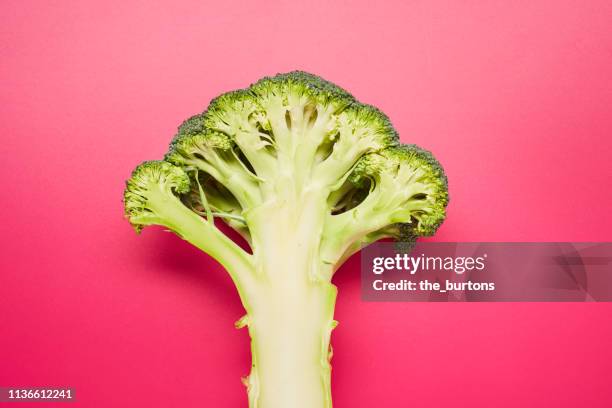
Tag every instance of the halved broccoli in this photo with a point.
(308, 176)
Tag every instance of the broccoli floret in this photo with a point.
(402, 194)
(409, 185)
(307, 175)
(214, 153)
(150, 181)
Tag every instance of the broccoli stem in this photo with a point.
(290, 332)
(290, 315)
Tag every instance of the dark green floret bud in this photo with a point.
(151, 178)
(367, 124)
(185, 148)
(232, 112)
(411, 183)
(299, 87)
(192, 126)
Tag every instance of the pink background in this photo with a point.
(514, 98)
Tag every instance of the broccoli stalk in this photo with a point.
(308, 176)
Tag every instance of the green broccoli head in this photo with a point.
(298, 148)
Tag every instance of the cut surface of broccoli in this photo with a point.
(307, 175)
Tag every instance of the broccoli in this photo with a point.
(308, 176)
